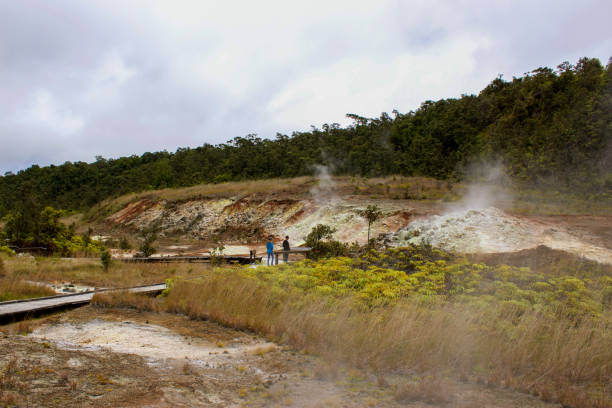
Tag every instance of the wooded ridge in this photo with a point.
(549, 128)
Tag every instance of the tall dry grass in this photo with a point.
(14, 289)
(556, 359)
(89, 271)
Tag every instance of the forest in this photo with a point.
(550, 128)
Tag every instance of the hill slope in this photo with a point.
(549, 128)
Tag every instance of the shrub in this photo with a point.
(149, 236)
(6, 250)
(105, 257)
(124, 244)
(322, 245)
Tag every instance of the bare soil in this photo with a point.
(94, 357)
(595, 229)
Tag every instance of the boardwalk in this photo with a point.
(243, 260)
(16, 309)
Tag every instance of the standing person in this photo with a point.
(286, 248)
(270, 248)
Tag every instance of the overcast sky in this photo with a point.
(115, 78)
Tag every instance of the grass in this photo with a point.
(557, 346)
(89, 271)
(531, 352)
(532, 201)
(12, 288)
(544, 332)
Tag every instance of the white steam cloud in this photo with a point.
(489, 187)
(324, 191)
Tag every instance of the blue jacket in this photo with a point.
(270, 247)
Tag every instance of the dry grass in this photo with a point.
(389, 187)
(14, 289)
(531, 201)
(406, 188)
(430, 389)
(127, 300)
(89, 271)
(531, 352)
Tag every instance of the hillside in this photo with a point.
(550, 129)
(241, 215)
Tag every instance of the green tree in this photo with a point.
(372, 213)
(105, 258)
(321, 242)
(149, 236)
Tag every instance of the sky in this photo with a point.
(80, 79)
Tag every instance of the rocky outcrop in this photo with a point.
(253, 217)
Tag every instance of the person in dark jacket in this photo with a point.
(286, 247)
(270, 249)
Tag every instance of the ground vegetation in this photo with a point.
(420, 309)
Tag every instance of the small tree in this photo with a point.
(105, 257)
(216, 254)
(321, 243)
(124, 244)
(149, 236)
(372, 213)
(318, 233)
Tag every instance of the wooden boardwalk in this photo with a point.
(242, 260)
(17, 309)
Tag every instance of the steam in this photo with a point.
(489, 186)
(324, 191)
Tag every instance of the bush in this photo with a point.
(326, 249)
(322, 245)
(6, 250)
(105, 257)
(124, 244)
(149, 237)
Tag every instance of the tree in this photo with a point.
(105, 258)
(321, 243)
(124, 244)
(149, 236)
(372, 213)
(549, 127)
(318, 233)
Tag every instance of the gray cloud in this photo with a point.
(79, 79)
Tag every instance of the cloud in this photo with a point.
(44, 113)
(81, 79)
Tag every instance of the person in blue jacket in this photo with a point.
(270, 248)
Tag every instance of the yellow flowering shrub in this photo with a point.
(380, 278)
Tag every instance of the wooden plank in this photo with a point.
(298, 250)
(16, 308)
(190, 259)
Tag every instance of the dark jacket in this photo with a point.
(286, 246)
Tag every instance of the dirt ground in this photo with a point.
(92, 357)
(595, 229)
